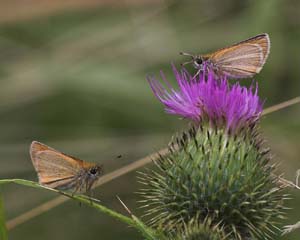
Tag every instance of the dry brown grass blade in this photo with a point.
(117, 173)
(281, 105)
(35, 212)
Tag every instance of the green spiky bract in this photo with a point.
(210, 173)
(194, 230)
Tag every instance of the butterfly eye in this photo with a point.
(93, 171)
(199, 61)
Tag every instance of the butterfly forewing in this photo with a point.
(243, 59)
(262, 40)
(54, 168)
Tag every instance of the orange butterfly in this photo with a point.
(241, 60)
(60, 171)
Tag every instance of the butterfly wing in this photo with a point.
(55, 169)
(243, 59)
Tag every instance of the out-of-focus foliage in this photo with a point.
(73, 76)
(3, 230)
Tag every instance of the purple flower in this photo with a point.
(208, 98)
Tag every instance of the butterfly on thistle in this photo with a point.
(241, 60)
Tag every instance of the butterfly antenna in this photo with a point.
(123, 204)
(185, 63)
(187, 54)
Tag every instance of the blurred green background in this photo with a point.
(73, 75)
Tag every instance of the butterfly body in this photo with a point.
(241, 60)
(61, 171)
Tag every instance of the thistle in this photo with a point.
(219, 169)
(209, 99)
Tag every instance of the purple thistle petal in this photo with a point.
(208, 97)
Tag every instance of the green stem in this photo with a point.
(3, 230)
(148, 233)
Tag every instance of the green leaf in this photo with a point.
(3, 230)
(147, 232)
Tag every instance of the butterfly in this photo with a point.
(241, 60)
(63, 172)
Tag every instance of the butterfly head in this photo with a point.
(196, 60)
(94, 172)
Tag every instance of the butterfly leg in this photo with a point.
(89, 192)
(197, 73)
(77, 187)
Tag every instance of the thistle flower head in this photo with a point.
(208, 97)
(210, 174)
